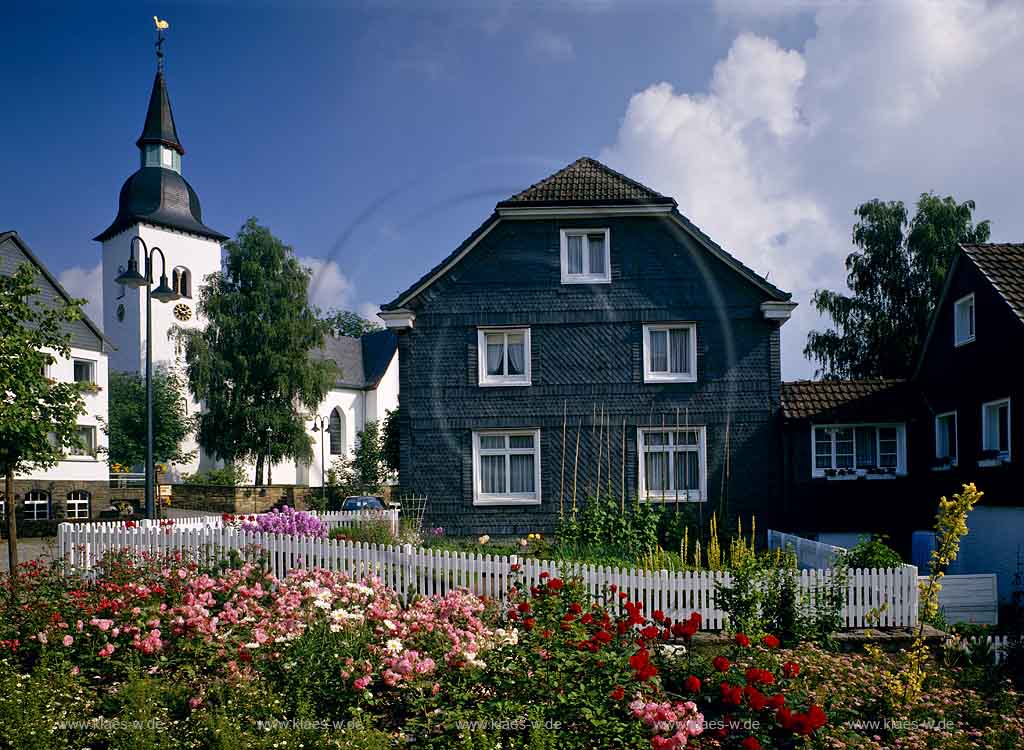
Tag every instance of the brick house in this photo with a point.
(588, 311)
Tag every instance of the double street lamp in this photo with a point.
(321, 425)
(163, 293)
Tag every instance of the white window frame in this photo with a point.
(486, 380)
(985, 419)
(961, 337)
(651, 376)
(687, 496)
(507, 498)
(586, 277)
(32, 506)
(87, 455)
(854, 472)
(73, 505)
(956, 436)
(92, 370)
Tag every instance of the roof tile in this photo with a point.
(1003, 266)
(847, 400)
(587, 181)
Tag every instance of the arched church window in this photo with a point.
(336, 429)
(181, 281)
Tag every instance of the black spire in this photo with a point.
(159, 128)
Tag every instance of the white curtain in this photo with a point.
(687, 470)
(656, 471)
(595, 245)
(516, 354)
(659, 351)
(680, 349)
(495, 354)
(844, 448)
(521, 473)
(492, 474)
(575, 251)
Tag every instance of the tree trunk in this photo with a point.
(270, 468)
(259, 470)
(12, 522)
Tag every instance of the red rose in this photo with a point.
(790, 669)
(603, 636)
(658, 616)
(777, 701)
(575, 608)
(756, 697)
(650, 632)
(515, 567)
(513, 615)
(742, 640)
(750, 743)
(545, 634)
(770, 641)
(555, 584)
(613, 588)
(544, 574)
(618, 693)
(623, 595)
(524, 607)
(587, 618)
(720, 663)
(528, 623)
(692, 684)
(785, 717)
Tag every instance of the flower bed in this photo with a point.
(232, 657)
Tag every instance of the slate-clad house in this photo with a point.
(77, 487)
(587, 308)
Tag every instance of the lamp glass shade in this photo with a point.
(163, 292)
(131, 277)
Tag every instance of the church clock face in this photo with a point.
(182, 312)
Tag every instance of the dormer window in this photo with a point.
(586, 256)
(963, 320)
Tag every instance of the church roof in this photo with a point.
(162, 197)
(159, 127)
(361, 362)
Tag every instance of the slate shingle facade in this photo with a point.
(587, 367)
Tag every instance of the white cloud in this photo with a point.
(550, 45)
(329, 288)
(86, 283)
(884, 100)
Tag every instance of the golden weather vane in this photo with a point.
(161, 25)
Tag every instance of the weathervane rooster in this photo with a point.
(161, 25)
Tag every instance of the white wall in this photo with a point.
(385, 397)
(81, 468)
(202, 257)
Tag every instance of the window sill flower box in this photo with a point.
(853, 474)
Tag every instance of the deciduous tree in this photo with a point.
(895, 278)
(251, 365)
(126, 423)
(38, 415)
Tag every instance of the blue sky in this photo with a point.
(376, 136)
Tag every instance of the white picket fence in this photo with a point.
(333, 519)
(997, 644)
(412, 570)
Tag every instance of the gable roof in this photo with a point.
(847, 400)
(13, 236)
(1003, 266)
(361, 362)
(586, 183)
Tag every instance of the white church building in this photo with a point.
(158, 204)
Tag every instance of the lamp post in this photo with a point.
(320, 425)
(163, 293)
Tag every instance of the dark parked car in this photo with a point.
(362, 502)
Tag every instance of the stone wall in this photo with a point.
(239, 500)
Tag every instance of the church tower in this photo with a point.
(157, 204)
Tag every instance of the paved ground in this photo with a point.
(29, 549)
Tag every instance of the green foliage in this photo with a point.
(871, 552)
(390, 439)
(601, 524)
(39, 415)
(126, 426)
(895, 278)
(231, 475)
(251, 365)
(764, 596)
(370, 532)
(348, 323)
(364, 473)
